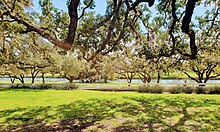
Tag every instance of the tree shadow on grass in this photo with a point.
(136, 114)
(174, 114)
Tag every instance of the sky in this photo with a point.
(101, 6)
(61, 4)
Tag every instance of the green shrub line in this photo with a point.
(180, 89)
(157, 89)
(151, 89)
(66, 86)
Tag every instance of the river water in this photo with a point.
(164, 81)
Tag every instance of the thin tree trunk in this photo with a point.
(32, 79)
(21, 79)
(43, 78)
(149, 79)
(158, 76)
(12, 79)
(33, 75)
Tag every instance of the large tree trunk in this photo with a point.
(73, 14)
(69, 78)
(186, 28)
(105, 80)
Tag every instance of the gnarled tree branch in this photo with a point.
(186, 28)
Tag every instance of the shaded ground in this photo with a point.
(157, 113)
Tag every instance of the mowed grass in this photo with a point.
(84, 110)
(16, 98)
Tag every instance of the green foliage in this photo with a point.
(214, 90)
(66, 86)
(175, 90)
(187, 89)
(151, 89)
(181, 89)
(201, 90)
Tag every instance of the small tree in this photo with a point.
(69, 66)
(13, 71)
(206, 67)
(145, 70)
(106, 69)
(126, 66)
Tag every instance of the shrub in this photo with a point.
(175, 89)
(214, 90)
(187, 89)
(21, 86)
(41, 86)
(201, 90)
(14, 86)
(116, 89)
(151, 89)
(69, 86)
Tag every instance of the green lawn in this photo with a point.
(82, 110)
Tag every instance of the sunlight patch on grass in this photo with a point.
(91, 110)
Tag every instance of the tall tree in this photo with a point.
(61, 28)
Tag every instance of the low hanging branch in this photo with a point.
(73, 15)
(73, 6)
(73, 9)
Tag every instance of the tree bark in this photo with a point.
(158, 76)
(12, 79)
(67, 43)
(73, 14)
(145, 77)
(105, 80)
(70, 79)
(43, 78)
(186, 29)
(34, 73)
(21, 79)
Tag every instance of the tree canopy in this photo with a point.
(123, 20)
